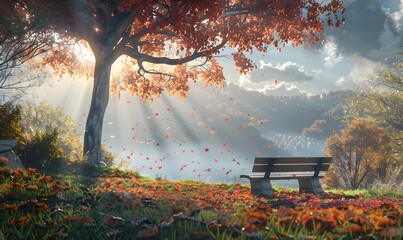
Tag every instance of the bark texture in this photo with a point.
(99, 102)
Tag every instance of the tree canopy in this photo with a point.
(381, 101)
(156, 34)
(362, 150)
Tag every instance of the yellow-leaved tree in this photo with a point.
(361, 153)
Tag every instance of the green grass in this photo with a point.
(106, 203)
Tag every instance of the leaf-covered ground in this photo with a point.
(110, 204)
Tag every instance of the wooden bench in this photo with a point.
(305, 169)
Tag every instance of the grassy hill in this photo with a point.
(107, 203)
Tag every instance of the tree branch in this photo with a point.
(164, 60)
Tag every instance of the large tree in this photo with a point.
(184, 34)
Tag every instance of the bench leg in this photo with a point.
(261, 187)
(310, 186)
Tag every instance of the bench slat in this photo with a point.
(280, 176)
(290, 168)
(292, 160)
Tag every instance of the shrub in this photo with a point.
(48, 139)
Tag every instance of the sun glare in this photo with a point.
(83, 51)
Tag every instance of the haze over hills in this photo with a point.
(215, 135)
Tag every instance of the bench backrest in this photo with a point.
(291, 164)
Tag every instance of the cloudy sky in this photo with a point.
(370, 38)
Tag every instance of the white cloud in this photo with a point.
(341, 81)
(362, 70)
(332, 55)
(397, 16)
(270, 87)
(285, 72)
(283, 89)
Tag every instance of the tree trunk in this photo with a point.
(99, 102)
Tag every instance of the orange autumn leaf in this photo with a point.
(41, 206)
(114, 221)
(32, 187)
(354, 228)
(87, 221)
(4, 160)
(72, 220)
(12, 207)
(152, 231)
(61, 232)
(5, 186)
(392, 232)
(18, 186)
(379, 221)
(19, 222)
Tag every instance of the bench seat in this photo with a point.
(285, 176)
(307, 170)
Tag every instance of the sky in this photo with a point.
(368, 41)
(370, 38)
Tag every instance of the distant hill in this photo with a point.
(215, 134)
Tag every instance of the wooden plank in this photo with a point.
(290, 168)
(280, 176)
(291, 160)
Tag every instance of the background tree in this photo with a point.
(10, 127)
(361, 151)
(380, 101)
(157, 34)
(19, 42)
